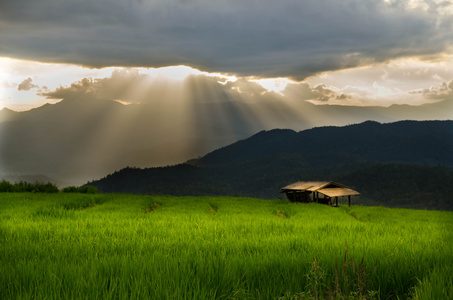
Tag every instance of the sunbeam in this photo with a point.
(147, 117)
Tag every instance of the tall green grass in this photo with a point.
(102, 246)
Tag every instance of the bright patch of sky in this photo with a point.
(41, 77)
(276, 85)
(391, 83)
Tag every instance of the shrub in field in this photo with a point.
(88, 189)
(46, 188)
(6, 187)
(70, 189)
(213, 208)
(150, 205)
(23, 186)
(281, 213)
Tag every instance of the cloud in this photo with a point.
(323, 94)
(320, 94)
(26, 85)
(442, 92)
(7, 85)
(132, 86)
(128, 85)
(390, 83)
(288, 38)
(82, 88)
(43, 89)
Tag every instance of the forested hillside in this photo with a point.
(405, 164)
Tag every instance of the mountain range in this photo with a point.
(80, 139)
(402, 164)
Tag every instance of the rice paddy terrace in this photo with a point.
(110, 246)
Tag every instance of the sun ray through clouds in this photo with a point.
(114, 117)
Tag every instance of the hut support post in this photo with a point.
(349, 200)
(336, 201)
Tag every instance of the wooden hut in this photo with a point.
(317, 191)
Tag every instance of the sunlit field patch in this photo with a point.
(155, 247)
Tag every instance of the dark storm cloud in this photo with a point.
(261, 38)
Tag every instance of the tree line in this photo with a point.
(40, 187)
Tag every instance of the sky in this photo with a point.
(351, 52)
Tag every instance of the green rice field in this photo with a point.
(109, 246)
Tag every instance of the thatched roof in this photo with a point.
(306, 185)
(338, 192)
(328, 188)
